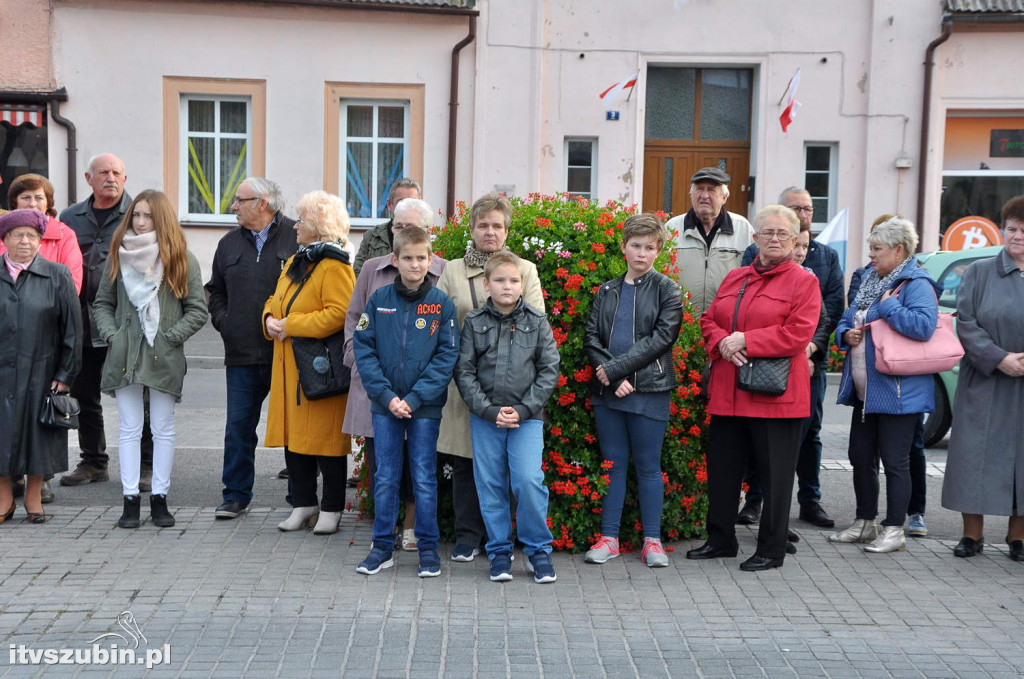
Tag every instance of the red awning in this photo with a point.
(22, 114)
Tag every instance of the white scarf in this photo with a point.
(142, 271)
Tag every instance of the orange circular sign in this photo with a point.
(970, 233)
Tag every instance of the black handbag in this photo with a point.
(322, 373)
(60, 411)
(765, 376)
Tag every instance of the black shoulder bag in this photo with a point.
(766, 376)
(319, 361)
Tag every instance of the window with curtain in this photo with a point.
(581, 166)
(216, 135)
(374, 136)
(820, 163)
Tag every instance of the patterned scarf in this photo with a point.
(874, 285)
(475, 258)
(142, 271)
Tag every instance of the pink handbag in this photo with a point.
(897, 354)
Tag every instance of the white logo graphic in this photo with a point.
(96, 654)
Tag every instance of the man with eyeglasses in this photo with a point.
(711, 239)
(824, 262)
(246, 266)
(94, 221)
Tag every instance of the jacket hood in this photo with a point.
(915, 271)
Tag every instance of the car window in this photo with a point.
(951, 278)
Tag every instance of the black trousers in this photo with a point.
(302, 475)
(888, 438)
(770, 446)
(91, 437)
(469, 522)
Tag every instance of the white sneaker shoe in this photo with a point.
(890, 539)
(301, 517)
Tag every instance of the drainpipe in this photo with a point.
(53, 98)
(453, 115)
(926, 120)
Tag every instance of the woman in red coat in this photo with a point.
(766, 310)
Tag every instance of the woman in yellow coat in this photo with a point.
(311, 300)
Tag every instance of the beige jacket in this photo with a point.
(465, 285)
(702, 269)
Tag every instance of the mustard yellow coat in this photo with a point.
(307, 427)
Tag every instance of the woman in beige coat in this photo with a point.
(463, 281)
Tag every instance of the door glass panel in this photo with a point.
(671, 93)
(725, 104)
(666, 200)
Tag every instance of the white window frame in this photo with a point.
(821, 221)
(593, 165)
(344, 139)
(184, 159)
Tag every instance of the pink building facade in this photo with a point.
(349, 95)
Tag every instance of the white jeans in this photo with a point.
(161, 423)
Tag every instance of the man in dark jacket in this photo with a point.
(246, 266)
(824, 262)
(94, 221)
(378, 241)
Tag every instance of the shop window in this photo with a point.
(581, 167)
(820, 163)
(22, 143)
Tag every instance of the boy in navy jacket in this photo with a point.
(406, 344)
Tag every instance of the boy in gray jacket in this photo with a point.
(506, 372)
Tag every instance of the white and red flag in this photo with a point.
(614, 93)
(790, 102)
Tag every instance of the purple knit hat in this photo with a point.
(16, 218)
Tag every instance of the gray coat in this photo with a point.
(40, 341)
(986, 452)
(130, 359)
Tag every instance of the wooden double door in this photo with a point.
(669, 164)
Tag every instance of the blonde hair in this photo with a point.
(502, 258)
(778, 211)
(646, 224)
(327, 215)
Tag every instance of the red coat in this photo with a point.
(778, 315)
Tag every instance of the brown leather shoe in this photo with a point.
(83, 474)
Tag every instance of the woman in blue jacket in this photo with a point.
(886, 408)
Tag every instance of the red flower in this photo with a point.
(597, 247)
(584, 374)
(567, 398)
(542, 222)
(562, 381)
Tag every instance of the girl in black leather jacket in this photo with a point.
(634, 321)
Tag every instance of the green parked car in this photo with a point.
(947, 267)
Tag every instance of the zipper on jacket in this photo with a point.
(405, 335)
(611, 330)
(899, 387)
(451, 327)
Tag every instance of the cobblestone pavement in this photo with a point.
(241, 599)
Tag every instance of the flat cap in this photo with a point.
(16, 218)
(710, 174)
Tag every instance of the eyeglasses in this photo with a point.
(768, 236)
(244, 200)
(31, 237)
(801, 208)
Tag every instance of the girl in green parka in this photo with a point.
(149, 302)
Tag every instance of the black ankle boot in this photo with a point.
(158, 510)
(130, 516)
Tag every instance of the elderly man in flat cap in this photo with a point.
(711, 240)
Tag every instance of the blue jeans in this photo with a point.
(808, 463)
(504, 455)
(390, 434)
(918, 471)
(248, 386)
(624, 435)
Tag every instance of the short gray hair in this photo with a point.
(404, 183)
(724, 187)
(893, 232)
(777, 211)
(268, 191)
(792, 189)
(421, 207)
